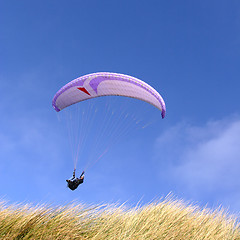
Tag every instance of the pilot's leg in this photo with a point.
(82, 174)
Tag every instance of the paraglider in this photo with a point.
(104, 84)
(74, 182)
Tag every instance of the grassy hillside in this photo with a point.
(168, 219)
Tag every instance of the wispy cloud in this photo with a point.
(203, 161)
(30, 160)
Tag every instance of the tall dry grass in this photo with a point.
(167, 219)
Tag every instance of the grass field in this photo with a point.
(166, 219)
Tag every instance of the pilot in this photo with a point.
(74, 182)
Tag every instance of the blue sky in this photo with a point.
(189, 51)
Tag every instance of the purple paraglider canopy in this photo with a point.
(106, 84)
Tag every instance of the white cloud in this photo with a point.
(203, 162)
(30, 155)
